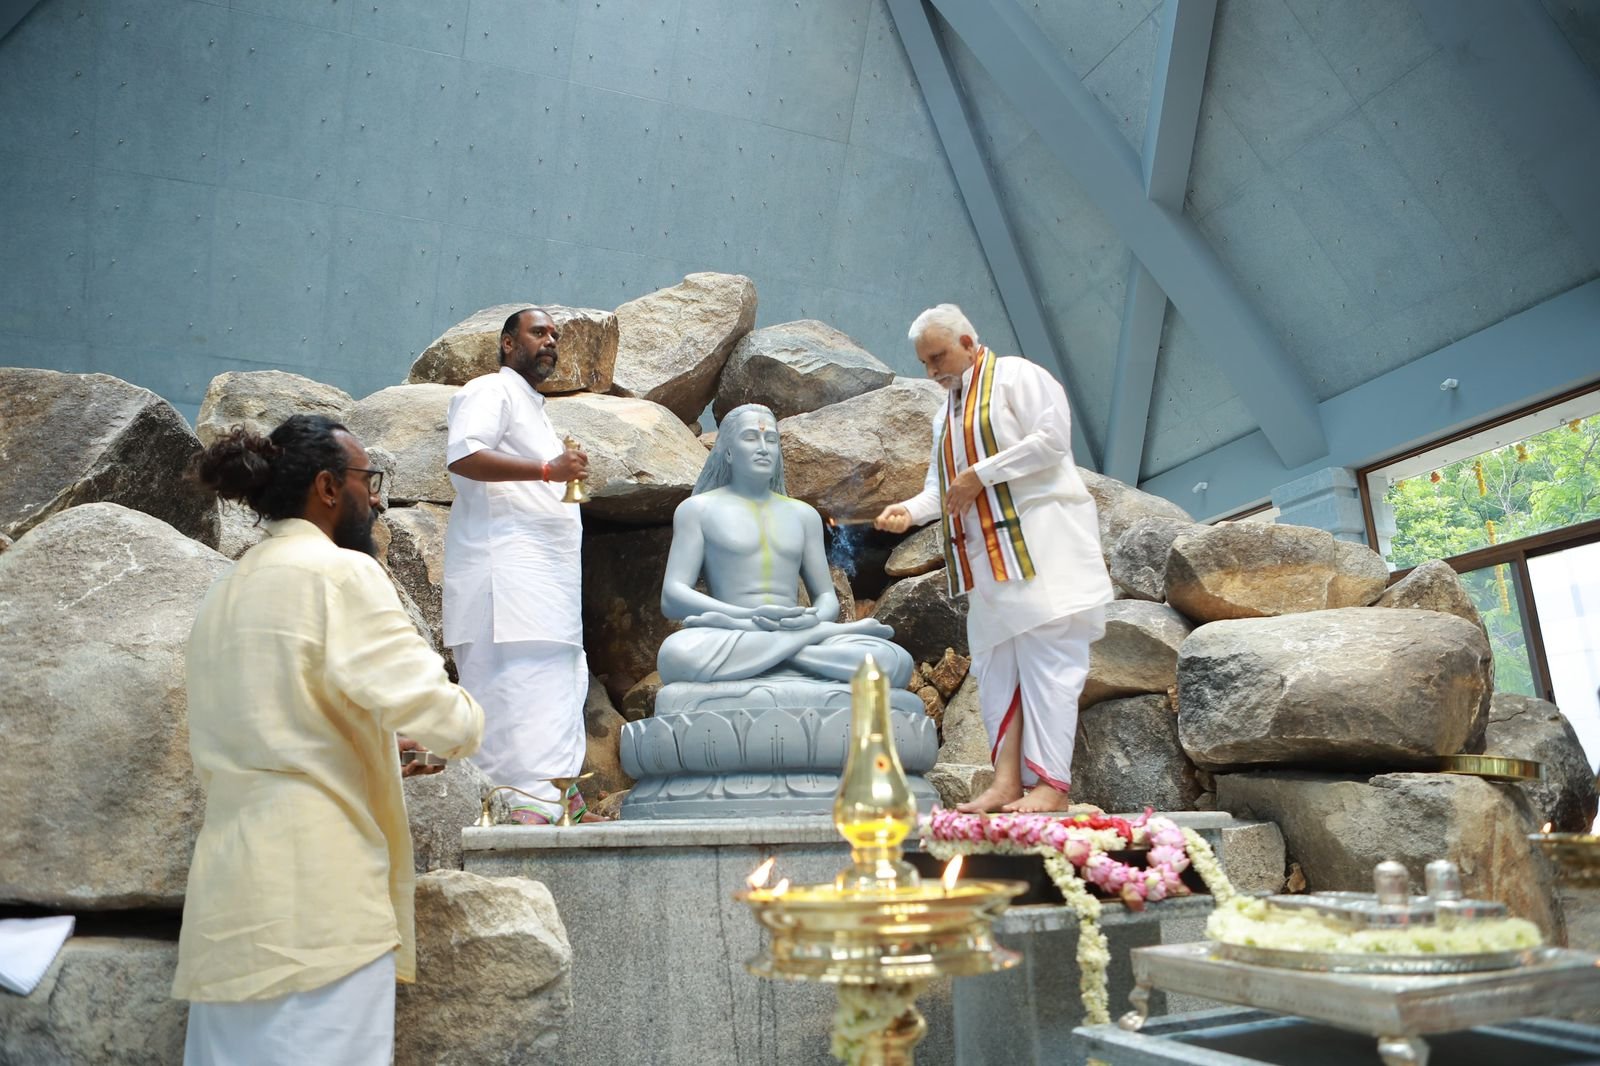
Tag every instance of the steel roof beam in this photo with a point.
(953, 124)
(1076, 129)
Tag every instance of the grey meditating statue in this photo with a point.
(753, 716)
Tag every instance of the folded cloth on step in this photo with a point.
(27, 948)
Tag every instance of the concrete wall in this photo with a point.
(324, 186)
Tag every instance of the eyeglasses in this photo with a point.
(374, 478)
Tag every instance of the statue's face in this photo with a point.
(753, 446)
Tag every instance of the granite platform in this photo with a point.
(659, 944)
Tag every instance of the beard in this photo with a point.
(354, 532)
(540, 370)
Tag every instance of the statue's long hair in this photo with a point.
(718, 470)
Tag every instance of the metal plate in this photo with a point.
(1493, 767)
(1321, 962)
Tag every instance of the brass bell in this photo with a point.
(577, 488)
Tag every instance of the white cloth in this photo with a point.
(27, 948)
(513, 557)
(532, 694)
(349, 1022)
(1033, 430)
(1039, 675)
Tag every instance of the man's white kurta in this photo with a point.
(1033, 433)
(513, 551)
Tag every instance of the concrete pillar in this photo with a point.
(1326, 499)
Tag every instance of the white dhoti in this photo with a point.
(532, 692)
(1033, 680)
(349, 1022)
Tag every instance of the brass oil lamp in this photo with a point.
(878, 932)
(1576, 856)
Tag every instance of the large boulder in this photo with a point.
(414, 556)
(623, 626)
(797, 367)
(920, 553)
(259, 400)
(673, 343)
(643, 461)
(639, 702)
(101, 803)
(602, 756)
(957, 783)
(1359, 575)
(1522, 727)
(925, 619)
(1339, 828)
(104, 1000)
(440, 805)
(1360, 686)
(70, 439)
(1138, 654)
(852, 459)
(964, 740)
(1127, 757)
(587, 350)
(411, 424)
(494, 973)
(1120, 505)
(238, 529)
(1253, 570)
(1138, 559)
(1432, 586)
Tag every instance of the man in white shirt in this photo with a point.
(1021, 543)
(513, 572)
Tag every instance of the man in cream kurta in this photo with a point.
(1022, 543)
(302, 667)
(513, 572)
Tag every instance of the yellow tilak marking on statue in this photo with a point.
(759, 511)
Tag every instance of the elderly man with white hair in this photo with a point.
(1021, 540)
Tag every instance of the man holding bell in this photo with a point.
(513, 573)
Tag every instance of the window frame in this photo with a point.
(1516, 553)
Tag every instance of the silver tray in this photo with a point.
(1321, 962)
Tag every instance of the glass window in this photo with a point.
(1566, 594)
(1494, 592)
(1539, 483)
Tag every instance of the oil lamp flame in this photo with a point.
(952, 873)
(781, 887)
(758, 877)
(1546, 828)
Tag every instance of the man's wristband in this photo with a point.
(544, 472)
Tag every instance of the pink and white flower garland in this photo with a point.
(1074, 849)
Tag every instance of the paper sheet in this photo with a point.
(27, 948)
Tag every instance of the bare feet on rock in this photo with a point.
(1038, 800)
(994, 798)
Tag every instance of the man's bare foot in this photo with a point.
(1039, 799)
(993, 798)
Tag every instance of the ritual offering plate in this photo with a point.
(1387, 931)
(1328, 962)
(1492, 767)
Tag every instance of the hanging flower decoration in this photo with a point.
(1075, 852)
